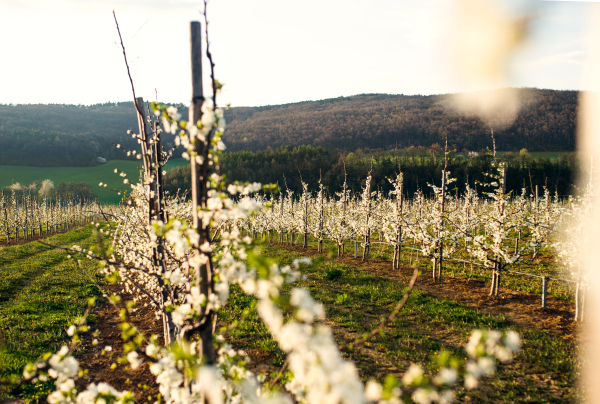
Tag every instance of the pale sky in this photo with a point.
(266, 51)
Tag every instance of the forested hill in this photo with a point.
(71, 135)
(546, 122)
(64, 135)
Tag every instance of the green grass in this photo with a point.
(553, 156)
(93, 175)
(42, 292)
(544, 265)
(545, 370)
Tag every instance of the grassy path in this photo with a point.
(42, 291)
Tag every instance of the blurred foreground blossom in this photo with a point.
(484, 37)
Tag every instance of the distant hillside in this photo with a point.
(71, 135)
(64, 135)
(546, 122)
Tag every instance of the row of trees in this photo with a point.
(25, 216)
(493, 228)
(70, 190)
(290, 166)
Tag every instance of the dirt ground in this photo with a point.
(140, 381)
(98, 365)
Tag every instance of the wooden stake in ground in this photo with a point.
(367, 210)
(199, 178)
(437, 272)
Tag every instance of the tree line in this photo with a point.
(82, 191)
(290, 166)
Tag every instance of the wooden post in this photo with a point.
(498, 275)
(144, 128)
(305, 243)
(195, 111)
(199, 190)
(367, 238)
(26, 217)
(159, 180)
(503, 179)
(355, 249)
(439, 273)
(544, 290)
(493, 287)
(400, 199)
(367, 247)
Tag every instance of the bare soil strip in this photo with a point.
(99, 366)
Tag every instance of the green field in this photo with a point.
(42, 292)
(93, 175)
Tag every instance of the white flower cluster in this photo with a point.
(65, 369)
(483, 348)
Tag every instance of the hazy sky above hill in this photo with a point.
(266, 51)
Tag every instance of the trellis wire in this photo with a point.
(545, 279)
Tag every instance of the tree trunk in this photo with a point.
(365, 256)
(498, 276)
(439, 274)
(493, 287)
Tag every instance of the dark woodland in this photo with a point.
(289, 166)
